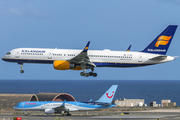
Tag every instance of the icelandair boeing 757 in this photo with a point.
(51, 107)
(65, 59)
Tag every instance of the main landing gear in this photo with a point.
(25, 113)
(68, 114)
(63, 113)
(21, 66)
(88, 74)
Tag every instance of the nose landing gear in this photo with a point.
(21, 66)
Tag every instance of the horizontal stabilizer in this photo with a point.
(108, 104)
(159, 58)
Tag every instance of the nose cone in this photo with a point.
(16, 107)
(3, 58)
(7, 56)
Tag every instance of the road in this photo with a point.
(155, 114)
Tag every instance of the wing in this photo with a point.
(82, 58)
(64, 107)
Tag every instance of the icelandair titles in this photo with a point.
(34, 51)
(155, 50)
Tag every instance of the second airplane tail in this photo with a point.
(161, 43)
(108, 96)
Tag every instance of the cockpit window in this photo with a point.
(17, 104)
(8, 53)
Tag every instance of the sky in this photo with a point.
(70, 24)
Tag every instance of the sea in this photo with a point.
(84, 90)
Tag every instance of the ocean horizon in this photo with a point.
(84, 90)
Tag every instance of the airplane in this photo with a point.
(73, 59)
(61, 107)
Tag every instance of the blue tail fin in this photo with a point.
(108, 96)
(161, 43)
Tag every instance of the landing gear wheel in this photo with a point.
(90, 73)
(68, 114)
(62, 113)
(82, 74)
(86, 74)
(94, 74)
(22, 71)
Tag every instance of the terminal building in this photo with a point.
(129, 102)
(168, 103)
(10, 100)
(164, 103)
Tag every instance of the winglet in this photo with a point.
(108, 96)
(64, 102)
(128, 48)
(86, 47)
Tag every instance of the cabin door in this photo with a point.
(42, 106)
(22, 105)
(50, 55)
(17, 54)
(140, 58)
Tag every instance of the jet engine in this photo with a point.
(49, 111)
(52, 111)
(65, 65)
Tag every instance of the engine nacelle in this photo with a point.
(49, 111)
(72, 66)
(52, 111)
(65, 65)
(61, 65)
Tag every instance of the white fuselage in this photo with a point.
(101, 58)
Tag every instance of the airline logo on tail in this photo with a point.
(163, 40)
(111, 95)
(86, 48)
(161, 43)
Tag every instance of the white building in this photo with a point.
(129, 102)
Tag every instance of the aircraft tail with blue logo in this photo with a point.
(161, 43)
(108, 96)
